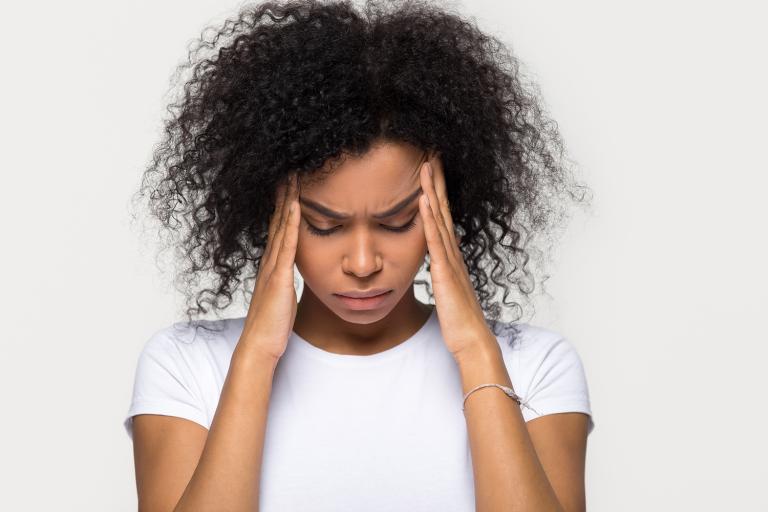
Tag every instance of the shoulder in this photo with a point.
(534, 348)
(181, 368)
(192, 353)
(545, 367)
(186, 338)
(525, 339)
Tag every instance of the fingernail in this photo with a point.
(429, 167)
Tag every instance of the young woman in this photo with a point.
(358, 147)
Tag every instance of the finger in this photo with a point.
(441, 189)
(434, 206)
(287, 255)
(279, 200)
(435, 244)
(274, 221)
(280, 232)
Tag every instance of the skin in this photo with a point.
(361, 254)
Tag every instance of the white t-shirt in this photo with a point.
(347, 433)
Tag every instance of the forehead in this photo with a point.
(369, 183)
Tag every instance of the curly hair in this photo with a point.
(294, 86)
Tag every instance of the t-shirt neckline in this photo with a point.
(424, 332)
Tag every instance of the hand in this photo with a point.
(272, 309)
(462, 321)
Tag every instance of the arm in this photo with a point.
(515, 470)
(227, 476)
(219, 472)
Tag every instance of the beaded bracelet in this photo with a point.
(509, 392)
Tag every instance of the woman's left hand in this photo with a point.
(462, 321)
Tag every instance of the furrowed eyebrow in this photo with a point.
(342, 216)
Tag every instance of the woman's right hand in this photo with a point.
(272, 309)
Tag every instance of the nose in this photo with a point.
(361, 257)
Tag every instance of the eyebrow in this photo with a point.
(342, 216)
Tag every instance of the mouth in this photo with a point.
(365, 302)
(364, 294)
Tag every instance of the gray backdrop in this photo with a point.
(661, 288)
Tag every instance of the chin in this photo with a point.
(362, 317)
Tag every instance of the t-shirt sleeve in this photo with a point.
(163, 382)
(556, 380)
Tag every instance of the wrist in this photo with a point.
(482, 351)
(482, 363)
(252, 354)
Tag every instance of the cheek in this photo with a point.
(311, 249)
(303, 249)
(315, 259)
(419, 254)
(418, 239)
(408, 250)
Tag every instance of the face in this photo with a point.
(360, 229)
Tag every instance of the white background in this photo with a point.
(662, 289)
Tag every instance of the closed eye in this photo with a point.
(395, 229)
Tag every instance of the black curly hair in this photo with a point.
(297, 85)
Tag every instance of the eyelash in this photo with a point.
(328, 232)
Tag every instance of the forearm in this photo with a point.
(227, 475)
(508, 474)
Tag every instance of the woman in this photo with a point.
(359, 147)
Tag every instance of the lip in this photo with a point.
(365, 303)
(363, 294)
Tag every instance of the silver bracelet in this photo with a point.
(509, 392)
